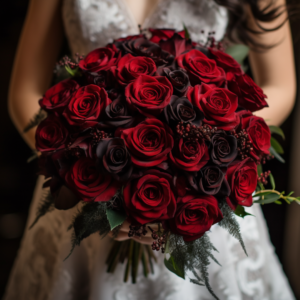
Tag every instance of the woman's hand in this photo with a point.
(123, 234)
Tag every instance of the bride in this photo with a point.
(40, 271)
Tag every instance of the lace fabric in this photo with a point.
(40, 271)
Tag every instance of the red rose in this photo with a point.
(130, 37)
(149, 95)
(226, 62)
(176, 45)
(200, 68)
(150, 198)
(86, 106)
(130, 67)
(189, 155)
(194, 216)
(251, 96)
(100, 59)
(50, 135)
(217, 104)
(59, 95)
(149, 143)
(89, 183)
(163, 34)
(242, 179)
(258, 132)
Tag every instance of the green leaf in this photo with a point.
(240, 211)
(277, 147)
(115, 218)
(259, 169)
(268, 199)
(186, 32)
(259, 194)
(72, 72)
(238, 52)
(278, 202)
(290, 194)
(174, 268)
(277, 156)
(277, 130)
(272, 180)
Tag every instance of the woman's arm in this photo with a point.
(37, 52)
(274, 69)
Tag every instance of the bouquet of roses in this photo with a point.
(156, 129)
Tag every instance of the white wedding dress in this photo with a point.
(40, 272)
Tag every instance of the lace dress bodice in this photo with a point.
(40, 271)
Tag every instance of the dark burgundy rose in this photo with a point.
(150, 198)
(242, 179)
(223, 148)
(251, 96)
(194, 216)
(189, 155)
(212, 181)
(217, 104)
(114, 158)
(182, 110)
(200, 68)
(176, 45)
(226, 62)
(163, 34)
(179, 80)
(58, 96)
(102, 79)
(143, 47)
(149, 95)
(89, 183)
(86, 106)
(129, 68)
(149, 143)
(50, 135)
(101, 59)
(117, 114)
(258, 132)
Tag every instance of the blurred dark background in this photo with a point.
(17, 177)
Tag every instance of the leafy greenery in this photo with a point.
(73, 72)
(277, 130)
(46, 205)
(174, 268)
(277, 147)
(36, 120)
(115, 218)
(239, 53)
(186, 32)
(276, 155)
(272, 196)
(241, 212)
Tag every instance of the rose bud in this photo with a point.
(150, 198)
(194, 216)
(200, 68)
(114, 158)
(149, 143)
(178, 78)
(50, 135)
(189, 156)
(129, 68)
(149, 95)
(59, 95)
(163, 34)
(117, 114)
(86, 106)
(89, 183)
(226, 62)
(251, 96)
(223, 148)
(242, 179)
(100, 59)
(182, 110)
(217, 104)
(212, 182)
(258, 132)
(143, 47)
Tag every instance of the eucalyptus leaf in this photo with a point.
(115, 218)
(277, 156)
(268, 199)
(278, 202)
(172, 266)
(277, 130)
(259, 169)
(259, 194)
(238, 52)
(186, 32)
(241, 212)
(272, 181)
(72, 72)
(277, 147)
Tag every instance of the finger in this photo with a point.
(126, 224)
(123, 236)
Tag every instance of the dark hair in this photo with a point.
(238, 18)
